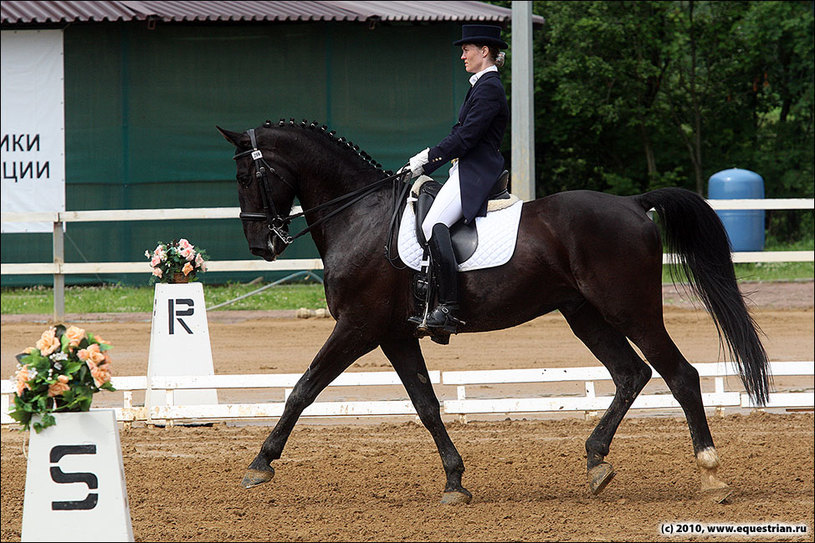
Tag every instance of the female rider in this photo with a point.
(474, 142)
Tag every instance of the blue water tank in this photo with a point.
(744, 227)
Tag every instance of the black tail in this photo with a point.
(694, 232)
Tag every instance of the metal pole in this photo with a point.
(59, 277)
(523, 115)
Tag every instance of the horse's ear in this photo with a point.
(232, 137)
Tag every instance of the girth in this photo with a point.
(464, 236)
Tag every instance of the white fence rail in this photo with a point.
(589, 402)
(59, 268)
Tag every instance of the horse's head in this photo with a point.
(264, 194)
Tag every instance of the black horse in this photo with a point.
(596, 258)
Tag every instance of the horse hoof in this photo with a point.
(717, 495)
(255, 477)
(600, 476)
(456, 498)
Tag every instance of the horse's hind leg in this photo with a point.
(341, 349)
(629, 373)
(406, 357)
(683, 381)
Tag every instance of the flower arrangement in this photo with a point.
(60, 374)
(177, 261)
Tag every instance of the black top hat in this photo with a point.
(482, 34)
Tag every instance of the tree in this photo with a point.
(602, 67)
(631, 96)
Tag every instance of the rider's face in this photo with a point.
(474, 57)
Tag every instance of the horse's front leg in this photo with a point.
(341, 349)
(406, 357)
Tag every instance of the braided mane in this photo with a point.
(331, 134)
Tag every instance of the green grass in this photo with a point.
(119, 299)
(763, 271)
(771, 271)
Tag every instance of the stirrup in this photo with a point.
(438, 335)
(450, 323)
(421, 326)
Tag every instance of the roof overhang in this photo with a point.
(39, 13)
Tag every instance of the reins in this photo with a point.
(278, 224)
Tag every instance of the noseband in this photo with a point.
(278, 224)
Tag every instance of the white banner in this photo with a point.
(33, 125)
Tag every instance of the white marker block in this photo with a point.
(75, 482)
(179, 342)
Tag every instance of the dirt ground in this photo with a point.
(364, 480)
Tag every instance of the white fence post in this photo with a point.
(58, 239)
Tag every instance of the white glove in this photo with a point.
(416, 163)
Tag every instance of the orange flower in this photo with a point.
(187, 268)
(59, 387)
(75, 335)
(92, 355)
(101, 375)
(49, 342)
(22, 378)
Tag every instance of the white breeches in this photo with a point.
(446, 207)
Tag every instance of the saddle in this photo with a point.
(464, 236)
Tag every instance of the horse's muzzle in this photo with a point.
(267, 247)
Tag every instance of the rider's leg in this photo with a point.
(446, 206)
(444, 316)
(444, 212)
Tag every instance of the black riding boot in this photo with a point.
(444, 316)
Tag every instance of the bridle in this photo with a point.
(278, 224)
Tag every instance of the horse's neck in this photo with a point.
(318, 188)
(322, 173)
(361, 216)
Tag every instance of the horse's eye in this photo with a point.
(243, 179)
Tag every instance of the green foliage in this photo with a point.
(633, 96)
(60, 374)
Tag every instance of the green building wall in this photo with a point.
(141, 108)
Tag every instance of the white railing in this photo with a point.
(59, 268)
(589, 402)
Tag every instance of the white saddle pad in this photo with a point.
(497, 234)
